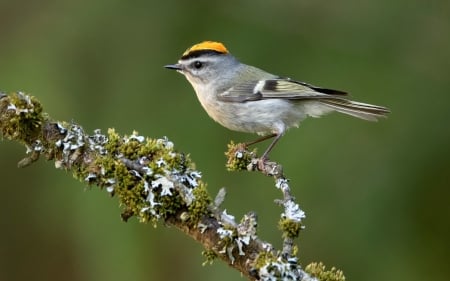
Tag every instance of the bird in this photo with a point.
(248, 99)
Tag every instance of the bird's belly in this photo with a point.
(262, 117)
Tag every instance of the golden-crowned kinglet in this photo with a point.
(244, 98)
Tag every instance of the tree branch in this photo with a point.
(155, 183)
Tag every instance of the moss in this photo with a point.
(210, 256)
(114, 141)
(290, 228)
(170, 204)
(128, 189)
(22, 118)
(294, 250)
(129, 149)
(263, 259)
(319, 271)
(238, 157)
(199, 207)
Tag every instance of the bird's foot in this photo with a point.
(265, 166)
(262, 163)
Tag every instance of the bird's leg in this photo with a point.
(266, 153)
(262, 160)
(264, 157)
(260, 139)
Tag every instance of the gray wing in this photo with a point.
(276, 89)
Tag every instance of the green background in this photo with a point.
(376, 195)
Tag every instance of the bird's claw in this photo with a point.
(265, 166)
(262, 163)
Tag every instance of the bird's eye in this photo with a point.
(198, 64)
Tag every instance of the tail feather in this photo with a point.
(357, 109)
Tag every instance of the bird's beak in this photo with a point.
(177, 67)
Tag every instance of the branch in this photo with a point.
(155, 183)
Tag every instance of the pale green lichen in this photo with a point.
(268, 266)
(227, 235)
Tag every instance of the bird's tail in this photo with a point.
(358, 109)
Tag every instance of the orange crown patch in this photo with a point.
(207, 45)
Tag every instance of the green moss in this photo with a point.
(319, 271)
(128, 189)
(199, 207)
(294, 250)
(129, 149)
(263, 259)
(238, 157)
(290, 228)
(24, 118)
(114, 141)
(210, 256)
(148, 148)
(170, 204)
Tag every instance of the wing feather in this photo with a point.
(276, 89)
(295, 91)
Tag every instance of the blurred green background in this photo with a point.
(376, 195)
